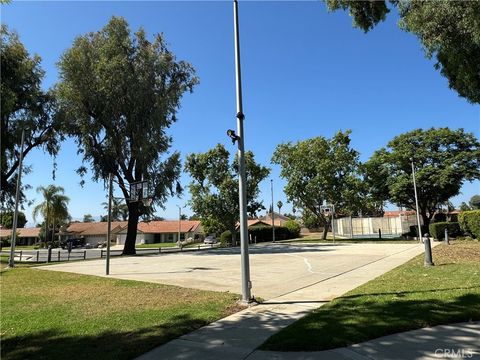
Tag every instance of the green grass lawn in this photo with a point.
(406, 298)
(20, 247)
(55, 315)
(156, 246)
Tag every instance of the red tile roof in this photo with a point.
(22, 232)
(158, 227)
(152, 227)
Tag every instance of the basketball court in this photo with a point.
(276, 269)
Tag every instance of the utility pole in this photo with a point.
(242, 183)
(11, 261)
(109, 226)
(273, 212)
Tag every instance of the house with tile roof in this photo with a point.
(147, 232)
(26, 236)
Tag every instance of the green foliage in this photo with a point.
(444, 159)
(25, 106)
(54, 210)
(475, 202)
(119, 209)
(293, 227)
(265, 233)
(88, 218)
(120, 93)
(214, 188)
(6, 219)
(448, 30)
(470, 223)
(437, 230)
(226, 238)
(319, 170)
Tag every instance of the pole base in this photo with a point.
(426, 264)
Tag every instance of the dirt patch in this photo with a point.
(457, 252)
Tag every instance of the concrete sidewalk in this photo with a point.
(460, 341)
(239, 335)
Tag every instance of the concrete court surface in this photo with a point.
(276, 269)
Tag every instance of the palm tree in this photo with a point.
(53, 208)
(119, 210)
(279, 205)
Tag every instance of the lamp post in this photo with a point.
(179, 223)
(109, 226)
(419, 229)
(273, 212)
(11, 261)
(242, 183)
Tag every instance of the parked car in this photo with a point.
(210, 240)
(76, 243)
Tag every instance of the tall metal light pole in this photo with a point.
(242, 183)
(109, 226)
(11, 261)
(179, 222)
(419, 229)
(273, 212)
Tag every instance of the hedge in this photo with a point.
(414, 230)
(264, 234)
(437, 230)
(293, 227)
(470, 223)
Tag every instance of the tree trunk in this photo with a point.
(425, 218)
(129, 248)
(234, 236)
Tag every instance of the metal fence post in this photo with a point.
(20, 255)
(101, 253)
(58, 255)
(84, 254)
(38, 255)
(447, 240)
(49, 254)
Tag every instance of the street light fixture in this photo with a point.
(242, 183)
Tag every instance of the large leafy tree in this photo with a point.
(444, 159)
(6, 219)
(319, 170)
(121, 93)
(448, 30)
(53, 209)
(475, 202)
(214, 188)
(24, 106)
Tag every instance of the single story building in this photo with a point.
(147, 232)
(278, 219)
(25, 236)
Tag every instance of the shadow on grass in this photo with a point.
(352, 320)
(55, 344)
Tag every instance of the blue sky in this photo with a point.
(306, 72)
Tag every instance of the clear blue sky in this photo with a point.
(306, 72)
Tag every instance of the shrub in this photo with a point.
(294, 228)
(437, 230)
(5, 242)
(226, 238)
(470, 223)
(413, 230)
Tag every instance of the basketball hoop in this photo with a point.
(138, 191)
